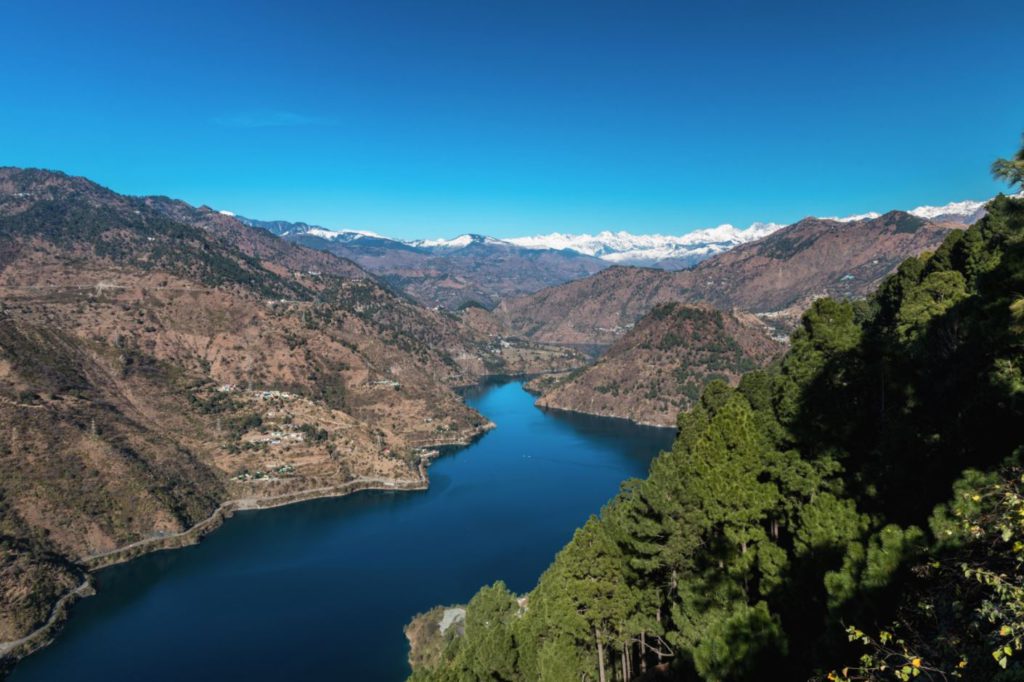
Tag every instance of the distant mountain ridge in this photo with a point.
(451, 273)
(776, 277)
(663, 251)
(284, 228)
(672, 252)
(480, 269)
(669, 252)
(159, 359)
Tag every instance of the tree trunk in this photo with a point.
(600, 655)
(659, 648)
(643, 652)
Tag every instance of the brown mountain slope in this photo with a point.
(660, 366)
(483, 271)
(157, 360)
(775, 277)
(256, 243)
(590, 313)
(35, 189)
(813, 258)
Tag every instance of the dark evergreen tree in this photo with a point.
(847, 484)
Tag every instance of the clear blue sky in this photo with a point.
(433, 118)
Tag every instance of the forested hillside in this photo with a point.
(853, 512)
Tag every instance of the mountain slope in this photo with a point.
(664, 251)
(813, 258)
(661, 365)
(486, 270)
(853, 512)
(776, 276)
(452, 272)
(673, 252)
(448, 273)
(157, 360)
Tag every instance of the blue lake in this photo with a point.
(322, 589)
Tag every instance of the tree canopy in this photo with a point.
(854, 511)
(1010, 171)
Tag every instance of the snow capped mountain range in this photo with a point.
(870, 215)
(970, 211)
(623, 248)
(340, 235)
(460, 242)
(647, 249)
(963, 212)
(691, 248)
(283, 228)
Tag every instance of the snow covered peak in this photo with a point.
(340, 235)
(965, 212)
(690, 248)
(870, 215)
(284, 228)
(957, 209)
(460, 242)
(620, 247)
(648, 249)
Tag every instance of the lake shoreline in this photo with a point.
(296, 561)
(564, 410)
(15, 650)
(534, 389)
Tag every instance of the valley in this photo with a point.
(159, 360)
(289, 580)
(851, 512)
(511, 342)
(163, 366)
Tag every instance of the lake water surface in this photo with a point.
(322, 589)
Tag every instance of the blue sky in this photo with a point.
(434, 118)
